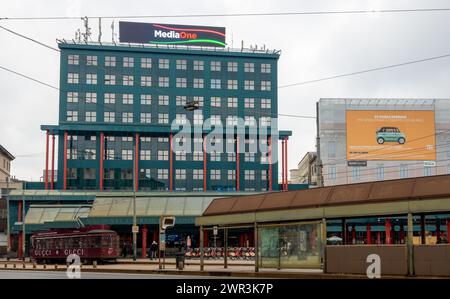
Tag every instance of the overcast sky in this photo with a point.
(313, 46)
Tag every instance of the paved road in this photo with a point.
(22, 274)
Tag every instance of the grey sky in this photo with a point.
(312, 47)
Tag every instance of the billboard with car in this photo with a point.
(390, 135)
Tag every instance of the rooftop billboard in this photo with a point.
(391, 135)
(169, 34)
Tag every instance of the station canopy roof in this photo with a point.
(40, 214)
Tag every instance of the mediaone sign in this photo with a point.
(169, 34)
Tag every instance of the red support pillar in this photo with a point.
(204, 163)
(286, 165)
(155, 236)
(368, 234)
(238, 187)
(46, 160)
(136, 162)
(378, 237)
(205, 238)
(144, 241)
(170, 163)
(269, 144)
(53, 162)
(101, 157)
(388, 231)
(282, 165)
(65, 162)
(353, 234)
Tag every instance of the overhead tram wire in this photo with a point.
(263, 14)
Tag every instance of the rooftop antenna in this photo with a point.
(99, 30)
(87, 33)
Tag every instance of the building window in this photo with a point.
(180, 174)
(145, 173)
(91, 97)
(331, 149)
(249, 157)
(380, 172)
(232, 84)
(180, 101)
(263, 175)
(181, 82)
(427, 170)
(146, 81)
(215, 102)
(249, 85)
(146, 99)
(215, 156)
(163, 81)
(180, 156)
(163, 100)
(198, 119)
(91, 116)
(215, 66)
(146, 63)
(110, 154)
(216, 120)
(72, 154)
(215, 83)
(249, 175)
(249, 121)
(163, 174)
(72, 78)
(91, 60)
(128, 80)
(231, 174)
(215, 174)
(249, 67)
(127, 117)
(232, 120)
(72, 97)
(128, 62)
(72, 115)
(127, 154)
(198, 156)
(146, 139)
(89, 154)
(163, 155)
(266, 103)
(356, 173)
(146, 118)
(199, 83)
(249, 103)
(332, 172)
(73, 59)
(232, 66)
(180, 119)
(403, 171)
(265, 121)
(127, 99)
(231, 157)
(109, 117)
(164, 63)
(197, 174)
(163, 118)
(198, 65)
(127, 139)
(146, 155)
(91, 79)
(110, 98)
(110, 79)
(181, 64)
(265, 68)
(110, 61)
(232, 102)
(266, 85)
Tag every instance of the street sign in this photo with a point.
(429, 163)
(357, 163)
(135, 229)
(215, 230)
(166, 222)
(162, 241)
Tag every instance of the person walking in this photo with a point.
(153, 250)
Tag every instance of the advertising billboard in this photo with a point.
(390, 135)
(169, 34)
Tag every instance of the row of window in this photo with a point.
(163, 100)
(164, 63)
(357, 172)
(163, 118)
(146, 81)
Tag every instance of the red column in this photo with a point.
(53, 162)
(269, 144)
(155, 236)
(65, 162)
(387, 229)
(241, 240)
(204, 163)
(368, 234)
(101, 157)
(205, 238)
(170, 163)
(378, 237)
(282, 165)
(237, 165)
(448, 231)
(144, 241)
(136, 162)
(286, 165)
(46, 160)
(353, 234)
